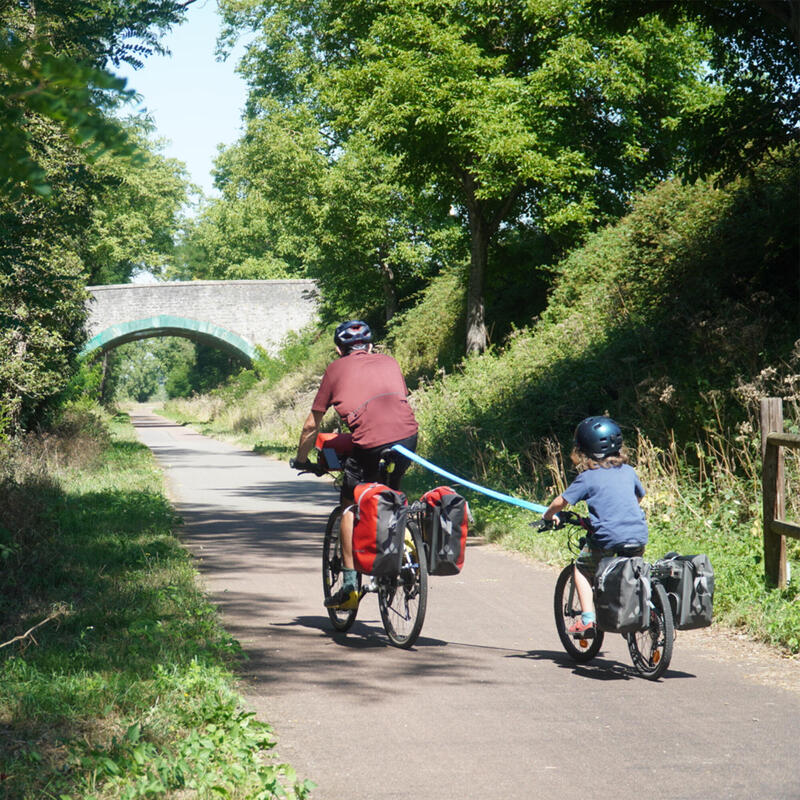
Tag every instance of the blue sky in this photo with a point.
(194, 100)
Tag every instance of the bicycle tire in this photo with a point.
(341, 620)
(567, 608)
(403, 598)
(651, 649)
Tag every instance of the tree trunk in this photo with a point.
(389, 293)
(477, 337)
(102, 387)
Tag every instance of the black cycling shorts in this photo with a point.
(362, 466)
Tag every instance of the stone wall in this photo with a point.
(262, 312)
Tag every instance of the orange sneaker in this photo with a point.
(581, 630)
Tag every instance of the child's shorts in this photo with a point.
(590, 556)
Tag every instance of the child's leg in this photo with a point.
(585, 594)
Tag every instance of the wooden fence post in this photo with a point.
(772, 492)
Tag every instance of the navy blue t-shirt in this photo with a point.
(612, 494)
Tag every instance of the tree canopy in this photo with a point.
(508, 111)
(83, 195)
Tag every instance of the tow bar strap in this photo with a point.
(505, 498)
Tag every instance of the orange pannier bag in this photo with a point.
(334, 448)
(379, 529)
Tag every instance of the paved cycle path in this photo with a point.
(486, 705)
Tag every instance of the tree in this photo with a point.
(53, 59)
(263, 222)
(511, 111)
(55, 173)
(376, 239)
(293, 205)
(137, 211)
(754, 63)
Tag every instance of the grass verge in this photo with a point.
(127, 690)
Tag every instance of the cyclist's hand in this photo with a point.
(306, 466)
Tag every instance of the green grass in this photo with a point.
(129, 691)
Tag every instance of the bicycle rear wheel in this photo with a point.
(332, 571)
(403, 598)
(567, 609)
(651, 649)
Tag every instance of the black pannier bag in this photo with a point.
(622, 594)
(445, 528)
(690, 587)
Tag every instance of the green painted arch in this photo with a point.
(167, 325)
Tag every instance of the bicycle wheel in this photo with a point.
(567, 608)
(332, 571)
(403, 598)
(651, 649)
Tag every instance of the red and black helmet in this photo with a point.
(352, 333)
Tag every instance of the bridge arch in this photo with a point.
(168, 325)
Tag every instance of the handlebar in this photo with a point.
(307, 466)
(561, 519)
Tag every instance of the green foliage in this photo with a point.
(527, 112)
(654, 320)
(135, 214)
(755, 62)
(82, 194)
(53, 68)
(427, 338)
(127, 691)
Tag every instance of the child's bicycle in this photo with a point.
(402, 598)
(650, 649)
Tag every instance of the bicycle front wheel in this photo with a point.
(332, 571)
(567, 609)
(403, 598)
(651, 649)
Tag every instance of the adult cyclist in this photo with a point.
(369, 393)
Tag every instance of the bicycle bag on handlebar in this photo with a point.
(379, 530)
(333, 448)
(690, 588)
(622, 594)
(445, 528)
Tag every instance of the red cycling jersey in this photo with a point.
(369, 393)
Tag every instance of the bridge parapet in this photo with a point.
(260, 312)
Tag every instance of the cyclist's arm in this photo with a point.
(559, 504)
(308, 435)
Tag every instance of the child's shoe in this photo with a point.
(581, 630)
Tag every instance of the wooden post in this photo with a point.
(773, 492)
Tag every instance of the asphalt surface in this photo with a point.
(486, 705)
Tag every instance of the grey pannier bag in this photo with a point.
(690, 588)
(622, 594)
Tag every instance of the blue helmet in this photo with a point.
(352, 333)
(598, 437)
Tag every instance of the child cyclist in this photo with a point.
(613, 492)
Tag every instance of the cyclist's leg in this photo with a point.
(347, 539)
(347, 596)
(353, 473)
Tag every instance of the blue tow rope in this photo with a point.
(515, 501)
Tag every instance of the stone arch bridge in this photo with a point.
(235, 316)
